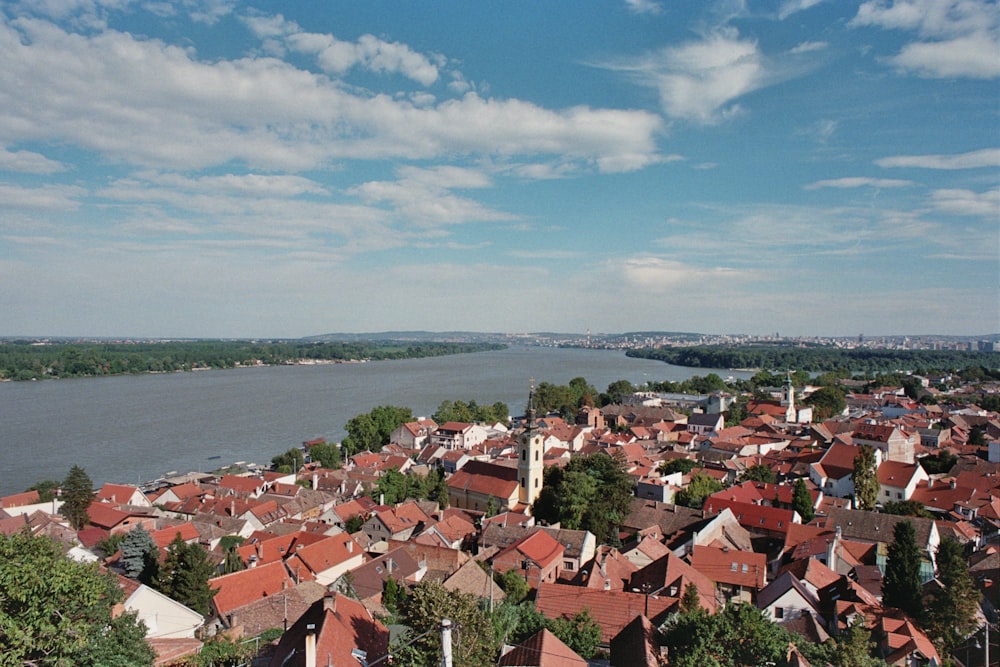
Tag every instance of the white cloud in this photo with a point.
(46, 197)
(147, 103)
(807, 47)
(700, 80)
(644, 6)
(697, 81)
(657, 274)
(960, 38)
(28, 162)
(858, 182)
(789, 7)
(424, 197)
(987, 157)
(967, 202)
(336, 56)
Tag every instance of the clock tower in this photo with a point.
(529, 455)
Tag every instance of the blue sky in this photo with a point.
(281, 169)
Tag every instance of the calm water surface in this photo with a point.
(135, 428)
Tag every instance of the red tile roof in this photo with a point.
(730, 566)
(242, 588)
(612, 610)
(542, 649)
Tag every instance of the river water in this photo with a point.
(130, 429)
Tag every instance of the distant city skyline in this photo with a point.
(234, 169)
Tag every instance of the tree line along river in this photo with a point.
(130, 429)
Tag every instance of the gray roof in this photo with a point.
(874, 526)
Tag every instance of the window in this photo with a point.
(887, 493)
(899, 494)
(734, 566)
(536, 454)
(522, 483)
(524, 454)
(779, 612)
(745, 568)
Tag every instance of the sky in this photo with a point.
(231, 168)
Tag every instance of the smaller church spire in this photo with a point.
(529, 412)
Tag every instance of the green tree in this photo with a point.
(738, 636)
(691, 599)
(865, 478)
(185, 573)
(802, 501)
(371, 431)
(702, 485)
(47, 489)
(758, 473)
(855, 648)
(426, 604)
(584, 392)
(55, 611)
(327, 455)
(140, 556)
(354, 524)
(590, 493)
(977, 436)
(951, 614)
(560, 399)
(290, 461)
(826, 402)
(617, 392)
(77, 494)
(901, 586)
(514, 586)
(581, 633)
(906, 508)
(233, 562)
(683, 466)
(393, 596)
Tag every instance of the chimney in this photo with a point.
(930, 482)
(330, 602)
(349, 544)
(310, 652)
(953, 483)
(315, 481)
(388, 566)
(232, 507)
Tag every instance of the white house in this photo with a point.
(897, 481)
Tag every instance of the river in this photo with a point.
(130, 429)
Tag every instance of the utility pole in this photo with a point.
(446, 643)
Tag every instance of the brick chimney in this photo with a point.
(310, 652)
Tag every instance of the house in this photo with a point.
(637, 644)
(478, 485)
(470, 578)
(759, 519)
(897, 480)
(326, 560)
(241, 588)
(738, 575)
(367, 581)
(335, 630)
(611, 610)
(877, 528)
(787, 599)
(165, 618)
(122, 494)
(542, 649)
(537, 557)
(834, 473)
(703, 423)
(252, 487)
(397, 523)
(458, 435)
(414, 434)
(894, 443)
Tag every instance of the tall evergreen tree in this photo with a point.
(185, 573)
(77, 494)
(901, 586)
(802, 501)
(951, 615)
(865, 478)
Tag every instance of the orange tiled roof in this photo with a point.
(242, 588)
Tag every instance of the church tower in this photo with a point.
(529, 455)
(788, 400)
